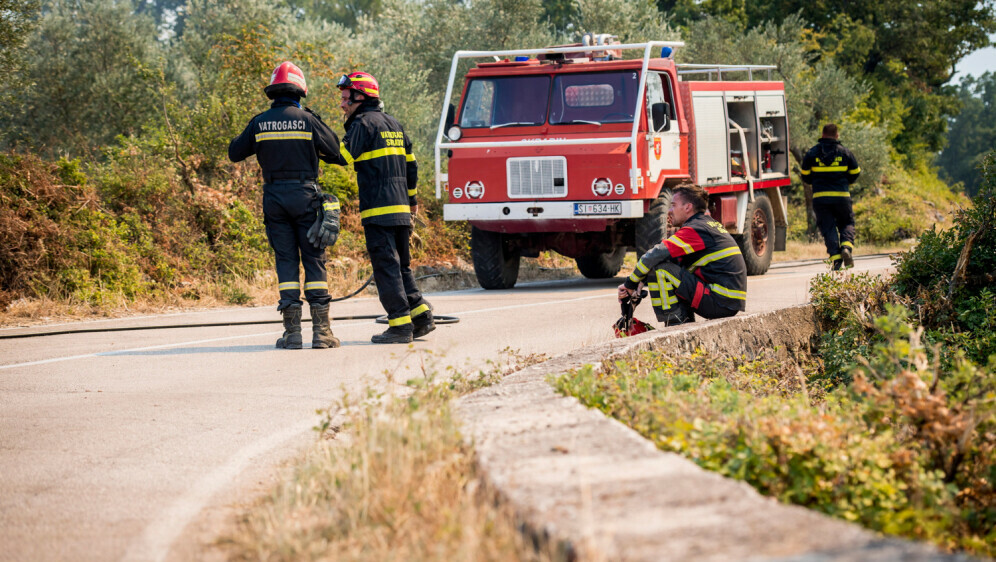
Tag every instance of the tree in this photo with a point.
(346, 13)
(16, 19)
(903, 49)
(972, 134)
(84, 79)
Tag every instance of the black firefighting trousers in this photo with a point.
(669, 282)
(835, 219)
(289, 209)
(391, 258)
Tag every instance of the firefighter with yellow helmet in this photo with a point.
(386, 174)
(301, 221)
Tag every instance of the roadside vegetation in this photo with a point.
(117, 194)
(391, 478)
(891, 424)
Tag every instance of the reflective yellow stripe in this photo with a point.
(671, 301)
(284, 135)
(831, 194)
(854, 171)
(654, 286)
(411, 192)
(655, 302)
(804, 172)
(829, 168)
(420, 309)
(409, 157)
(675, 282)
(835, 257)
(329, 206)
(345, 153)
(311, 285)
(381, 152)
(401, 321)
(732, 293)
(642, 268)
(633, 277)
(848, 244)
(377, 211)
(289, 286)
(709, 258)
(679, 242)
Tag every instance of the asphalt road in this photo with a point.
(112, 445)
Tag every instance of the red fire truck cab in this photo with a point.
(574, 149)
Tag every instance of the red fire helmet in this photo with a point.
(286, 79)
(361, 82)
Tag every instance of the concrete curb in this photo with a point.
(599, 490)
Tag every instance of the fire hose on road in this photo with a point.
(378, 318)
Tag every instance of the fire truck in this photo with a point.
(575, 149)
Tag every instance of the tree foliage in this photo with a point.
(905, 50)
(15, 23)
(972, 133)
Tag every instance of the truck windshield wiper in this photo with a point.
(576, 121)
(512, 123)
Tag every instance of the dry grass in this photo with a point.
(795, 250)
(345, 275)
(397, 483)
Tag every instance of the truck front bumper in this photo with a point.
(543, 210)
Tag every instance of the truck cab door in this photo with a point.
(663, 134)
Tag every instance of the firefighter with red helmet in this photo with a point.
(386, 174)
(288, 140)
(697, 270)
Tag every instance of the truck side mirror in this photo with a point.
(659, 112)
(450, 117)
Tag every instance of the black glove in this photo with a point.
(325, 231)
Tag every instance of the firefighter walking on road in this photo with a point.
(831, 169)
(386, 175)
(288, 141)
(697, 270)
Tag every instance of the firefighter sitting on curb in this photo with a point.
(288, 141)
(697, 270)
(386, 175)
(831, 169)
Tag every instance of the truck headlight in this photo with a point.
(474, 189)
(601, 187)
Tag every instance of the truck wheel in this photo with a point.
(757, 243)
(495, 264)
(651, 228)
(601, 266)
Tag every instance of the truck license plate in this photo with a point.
(597, 209)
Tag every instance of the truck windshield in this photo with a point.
(505, 101)
(603, 97)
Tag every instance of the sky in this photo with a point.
(976, 63)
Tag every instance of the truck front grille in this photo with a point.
(544, 176)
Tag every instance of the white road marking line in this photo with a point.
(159, 535)
(258, 334)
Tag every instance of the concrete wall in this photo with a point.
(600, 491)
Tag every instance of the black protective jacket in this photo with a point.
(831, 169)
(705, 248)
(386, 171)
(287, 142)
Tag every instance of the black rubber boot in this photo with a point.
(321, 329)
(848, 259)
(424, 324)
(680, 313)
(395, 334)
(292, 328)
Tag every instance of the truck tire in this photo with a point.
(651, 228)
(757, 243)
(495, 264)
(601, 266)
